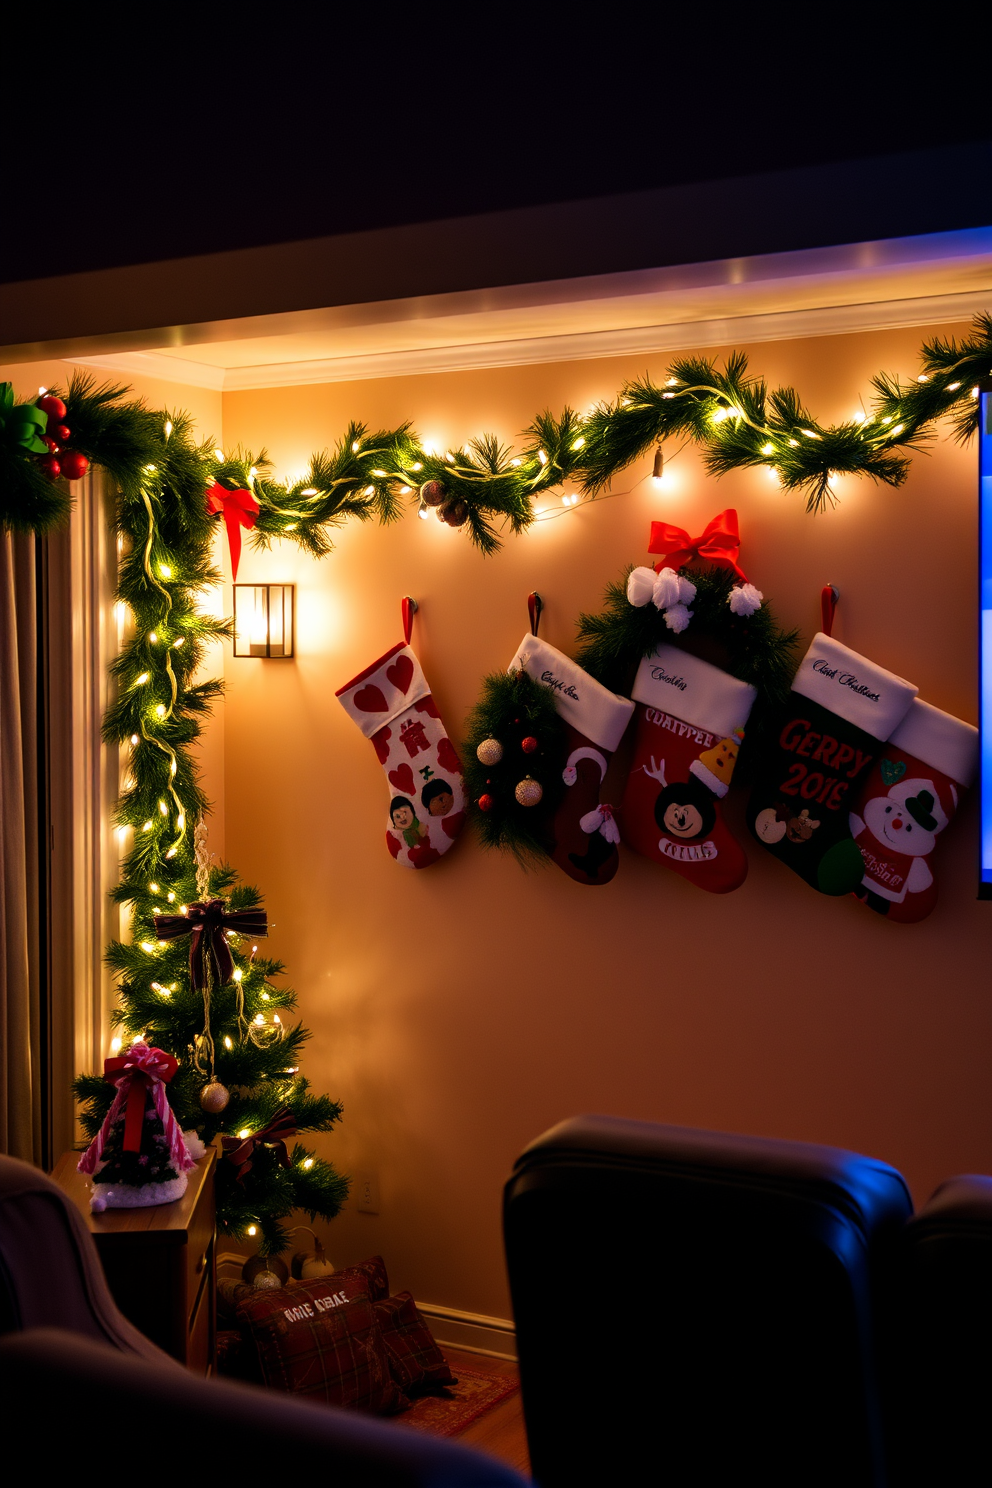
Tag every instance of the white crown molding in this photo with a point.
(154, 364)
(830, 320)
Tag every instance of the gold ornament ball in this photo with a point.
(214, 1097)
(489, 752)
(529, 791)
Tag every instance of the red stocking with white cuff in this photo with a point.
(690, 723)
(585, 833)
(908, 799)
(391, 703)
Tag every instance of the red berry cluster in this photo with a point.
(69, 464)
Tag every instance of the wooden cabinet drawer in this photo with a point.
(200, 1238)
(159, 1261)
(200, 1342)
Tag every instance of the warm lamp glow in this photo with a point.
(264, 620)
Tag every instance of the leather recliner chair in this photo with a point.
(696, 1308)
(75, 1377)
(940, 1365)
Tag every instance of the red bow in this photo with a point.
(133, 1072)
(240, 510)
(241, 1151)
(720, 543)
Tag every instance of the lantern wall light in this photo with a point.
(264, 616)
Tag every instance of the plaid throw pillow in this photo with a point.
(367, 1279)
(312, 1340)
(414, 1357)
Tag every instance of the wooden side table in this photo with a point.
(159, 1262)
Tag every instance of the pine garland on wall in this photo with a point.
(239, 1039)
(734, 417)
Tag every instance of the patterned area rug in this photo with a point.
(457, 1406)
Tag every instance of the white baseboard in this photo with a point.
(471, 1331)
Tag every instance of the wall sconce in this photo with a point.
(263, 619)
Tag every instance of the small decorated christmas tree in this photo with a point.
(191, 980)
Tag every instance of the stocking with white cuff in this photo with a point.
(908, 800)
(391, 703)
(826, 739)
(690, 723)
(585, 834)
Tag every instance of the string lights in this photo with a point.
(163, 568)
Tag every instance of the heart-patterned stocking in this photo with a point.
(392, 705)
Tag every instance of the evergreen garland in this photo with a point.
(514, 707)
(162, 517)
(734, 417)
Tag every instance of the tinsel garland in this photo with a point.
(511, 709)
(737, 421)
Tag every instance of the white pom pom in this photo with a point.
(194, 1145)
(640, 586)
(666, 589)
(744, 599)
(677, 617)
(687, 591)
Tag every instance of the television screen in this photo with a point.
(985, 638)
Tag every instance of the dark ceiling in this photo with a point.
(230, 133)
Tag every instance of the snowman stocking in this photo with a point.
(690, 722)
(392, 705)
(585, 833)
(826, 738)
(908, 799)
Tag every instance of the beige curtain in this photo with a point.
(20, 1016)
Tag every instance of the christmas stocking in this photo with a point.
(908, 799)
(690, 722)
(392, 705)
(585, 833)
(823, 745)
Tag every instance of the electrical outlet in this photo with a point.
(366, 1191)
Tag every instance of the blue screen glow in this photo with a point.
(985, 640)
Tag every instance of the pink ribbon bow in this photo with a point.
(138, 1069)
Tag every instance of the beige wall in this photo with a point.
(460, 1011)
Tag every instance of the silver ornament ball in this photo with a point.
(529, 791)
(214, 1097)
(489, 752)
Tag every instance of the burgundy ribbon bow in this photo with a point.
(719, 543)
(240, 509)
(241, 1151)
(211, 920)
(133, 1072)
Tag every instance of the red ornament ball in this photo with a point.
(47, 439)
(53, 406)
(432, 493)
(486, 802)
(529, 744)
(50, 466)
(62, 433)
(74, 465)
